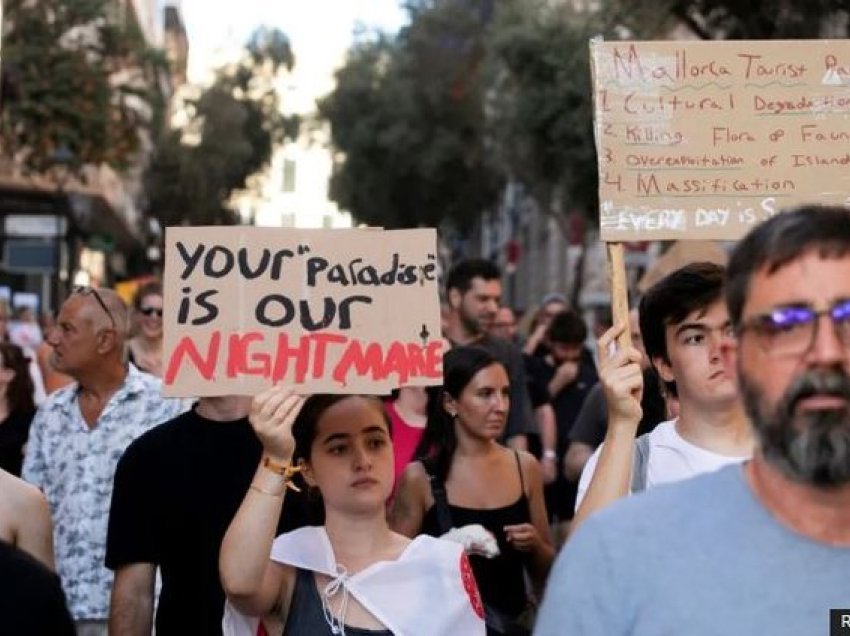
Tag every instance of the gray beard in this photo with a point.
(812, 448)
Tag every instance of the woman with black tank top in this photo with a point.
(463, 471)
(351, 575)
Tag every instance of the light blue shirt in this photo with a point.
(697, 558)
(74, 465)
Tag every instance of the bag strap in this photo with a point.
(519, 470)
(640, 464)
(497, 623)
(441, 499)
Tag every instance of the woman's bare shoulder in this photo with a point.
(20, 494)
(21, 505)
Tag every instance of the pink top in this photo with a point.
(405, 440)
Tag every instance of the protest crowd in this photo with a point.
(349, 433)
(696, 481)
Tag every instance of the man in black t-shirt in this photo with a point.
(569, 373)
(177, 487)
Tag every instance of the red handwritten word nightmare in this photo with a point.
(283, 357)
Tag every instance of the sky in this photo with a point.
(320, 30)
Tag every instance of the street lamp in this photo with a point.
(62, 161)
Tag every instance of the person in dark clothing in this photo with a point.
(590, 426)
(541, 441)
(31, 596)
(177, 487)
(17, 407)
(483, 482)
(551, 305)
(569, 373)
(592, 421)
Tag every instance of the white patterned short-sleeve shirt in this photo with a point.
(74, 466)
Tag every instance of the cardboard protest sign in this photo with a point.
(705, 139)
(334, 311)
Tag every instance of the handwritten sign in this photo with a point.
(339, 311)
(705, 139)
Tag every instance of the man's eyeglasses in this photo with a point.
(150, 311)
(791, 330)
(91, 291)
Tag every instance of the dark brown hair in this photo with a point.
(20, 391)
(686, 290)
(153, 288)
(439, 441)
(780, 240)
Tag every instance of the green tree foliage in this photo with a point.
(542, 112)
(759, 19)
(232, 128)
(429, 124)
(475, 92)
(79, 75)
(407, 118)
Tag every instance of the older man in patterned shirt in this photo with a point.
(79, 434)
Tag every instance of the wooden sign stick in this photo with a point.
(619, 292)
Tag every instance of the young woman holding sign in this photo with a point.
(335, 578)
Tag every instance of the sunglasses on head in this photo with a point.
(85, 290)
(151, 311)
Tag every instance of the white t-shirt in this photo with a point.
(671, 458)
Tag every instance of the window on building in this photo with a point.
(288, 175)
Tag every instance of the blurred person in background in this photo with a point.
(145, 347)
(407, 409)
(588, 432)
(541, 443)
(17, 407)
(551, 305)
(39, 393)
(24, 329)
(569, 373)
(505, 324)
